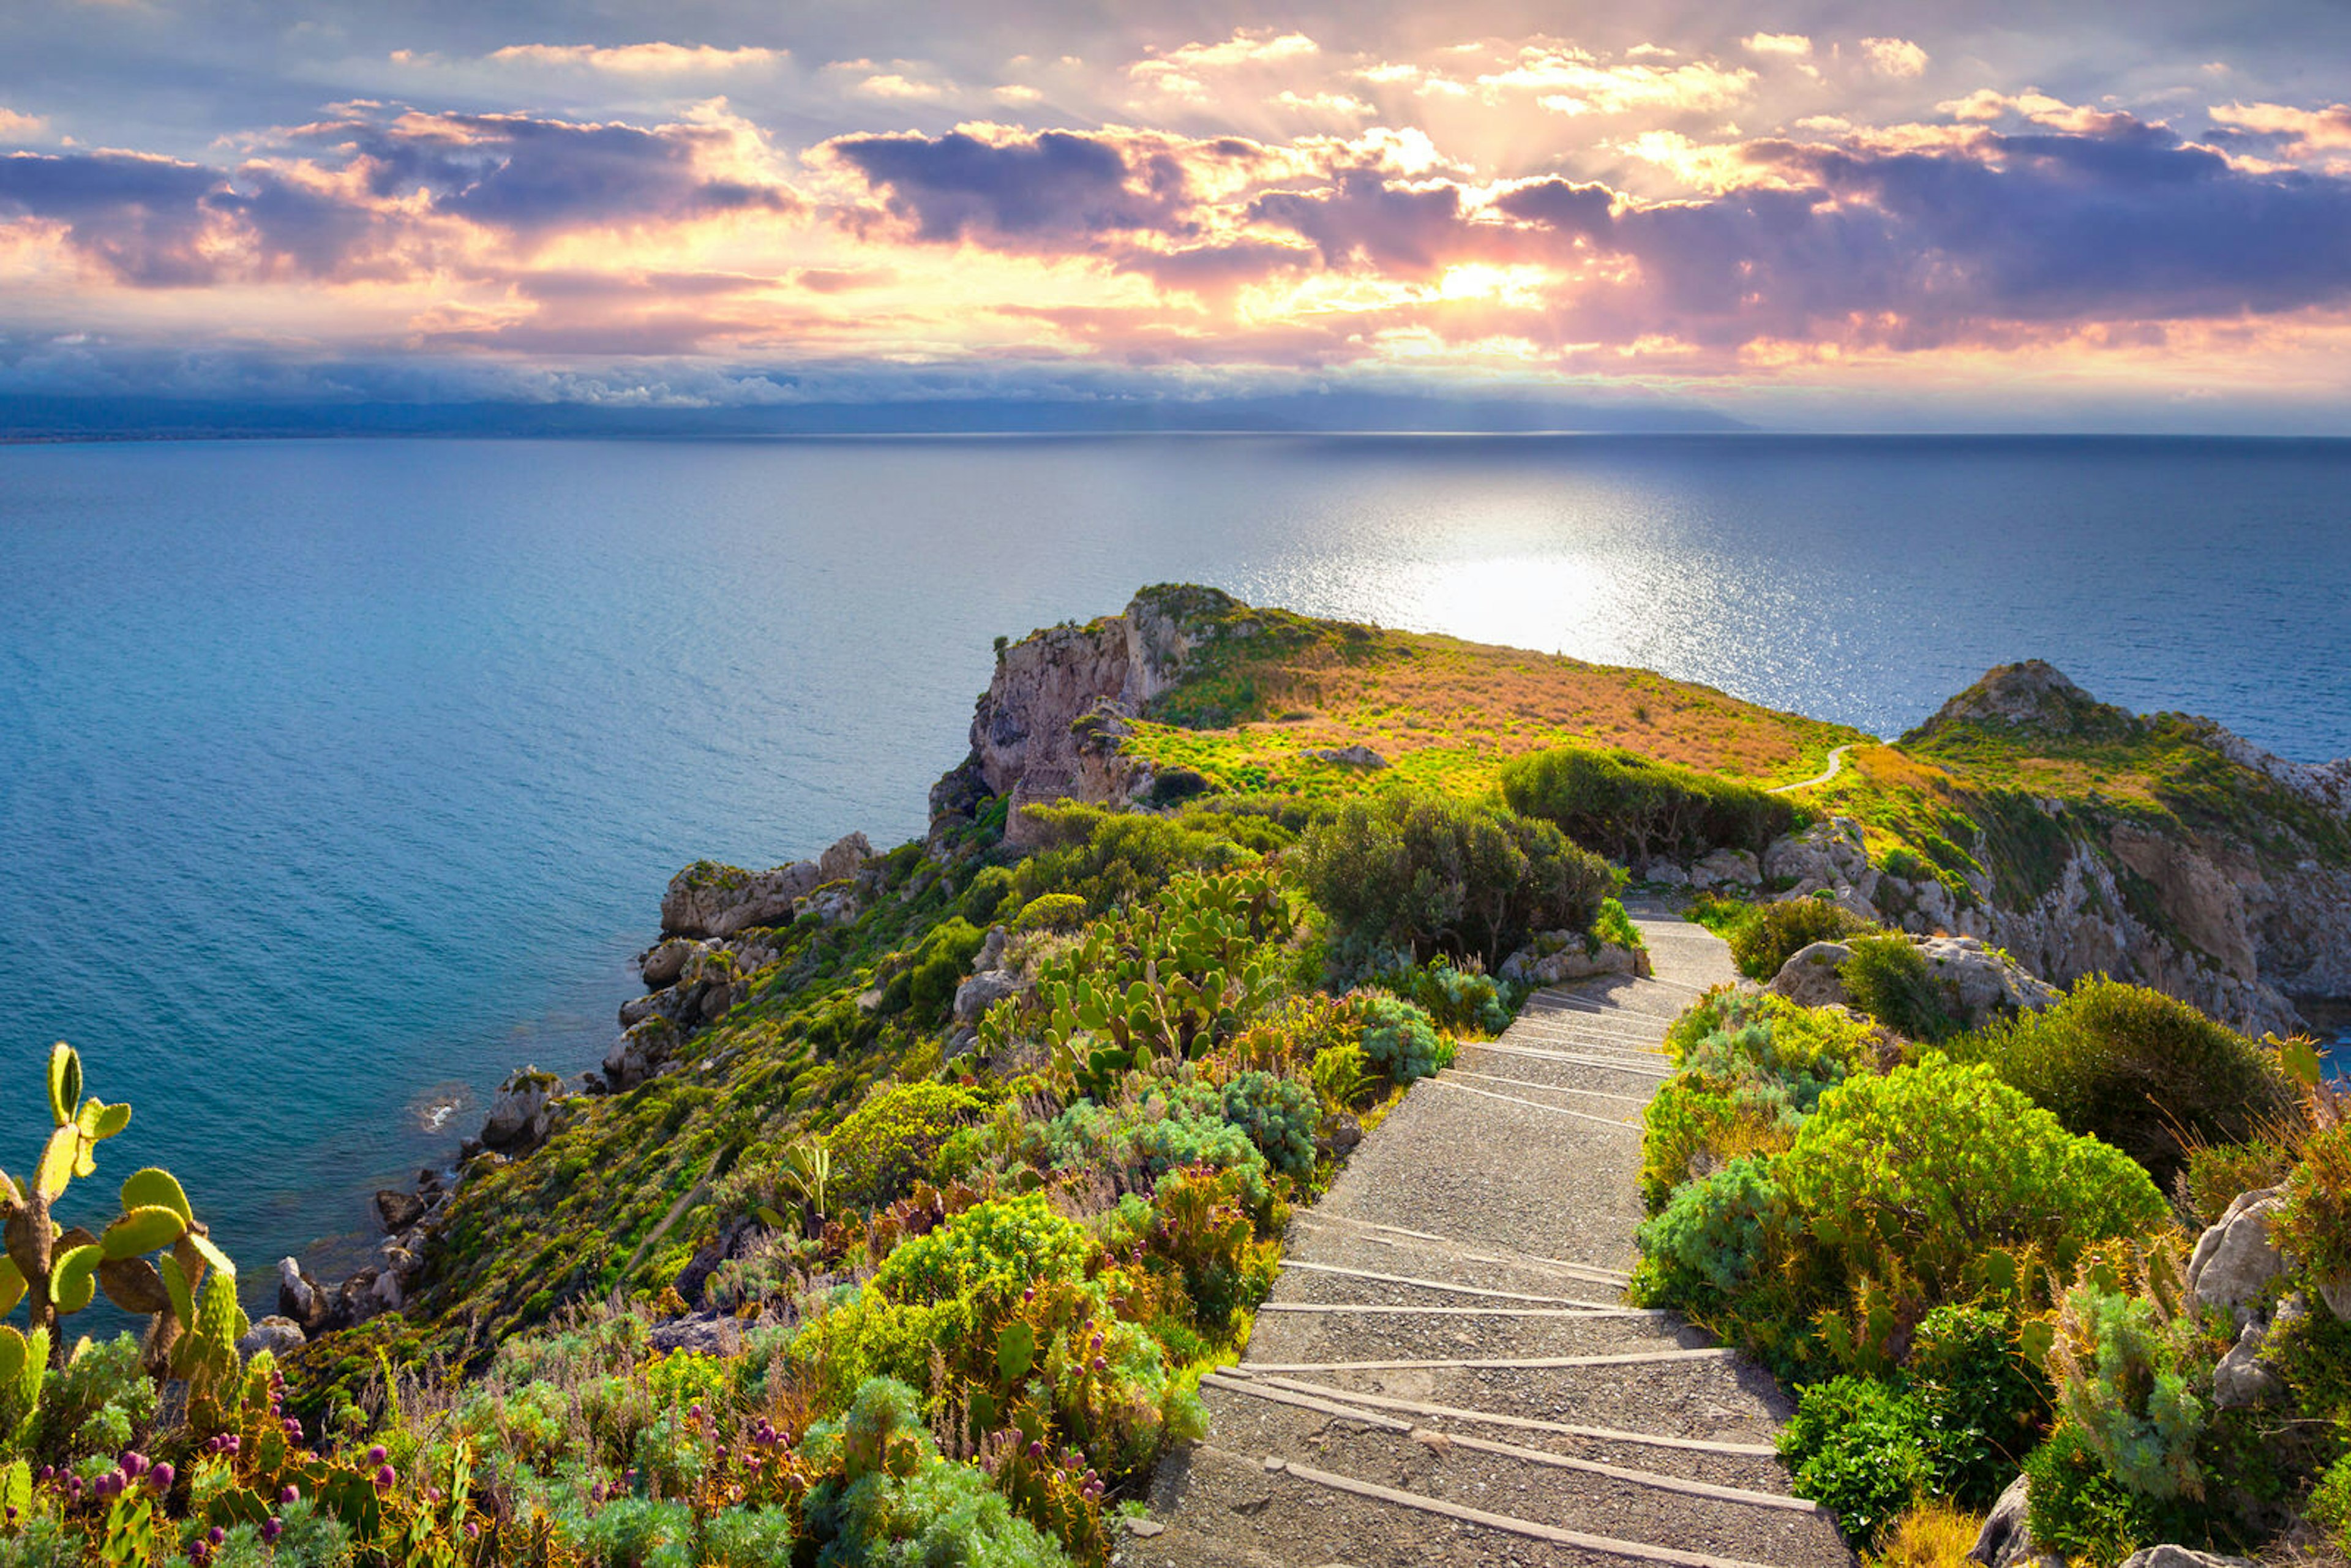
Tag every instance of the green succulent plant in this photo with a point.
(153, 1260)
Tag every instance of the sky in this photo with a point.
(1817, 214)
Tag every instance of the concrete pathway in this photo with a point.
(1836, 760)
(1446, 1372)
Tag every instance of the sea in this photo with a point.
(338, 777)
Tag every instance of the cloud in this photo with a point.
(1573, 82)
(2307, 129)
(890, 84)
(1323, 103)
(14, 127)
(1894, 57)
(1008, 188)
(1790, 45)
(1177, 72)
(639, 59)
(140, 218)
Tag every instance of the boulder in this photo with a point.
(711, 899)
(300, 1299)
(981, 992)
(522, 1114)
(2235, 1260)
(1812, 976)
(2006, 1539)
(1725, 868)
(2183, 1557)
(1357, 756)
(398, 1210)
(2240, 1379)
(1982, 983)
(1555, 957)
(273, 1334)
(1666, 873)
(661, 964)
(357, 1298)
(639, 1053)
(1826, 856)
(703, 1333)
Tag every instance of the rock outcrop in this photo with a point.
(711, 899)
(2235, 1259)
(1555, 957)
(1978, 984)
(1051, 724)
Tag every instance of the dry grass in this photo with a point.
(1933, 1534)
(1448, 713)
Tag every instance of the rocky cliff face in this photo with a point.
(1049, 726)
(2241, 921)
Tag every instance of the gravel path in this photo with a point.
(1446, 1372)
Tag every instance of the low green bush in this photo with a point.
(1915, 1176)
(1424, 874)
(939, 966)
(882, 1146)
(987, 893)
(1859, 1447)
(1632, 807)
(1769, 934)
(1399, 1040)
(1279, 1116)
(1984, 1400)
(1715, 1239)
(2146, 1073)
(2078, 1509)
(1050, 911)
(1453, 998)
(1886, 979)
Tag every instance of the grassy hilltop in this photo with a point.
(918, 1239)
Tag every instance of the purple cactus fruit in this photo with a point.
(473, 1530)
(1036, 1450)
(378, 1454)
(1098, 1342)
(132, 1462)
(160, 1478)
(216, 1535)
(288, 1495)
(272, 1528)
(1030, 1295)
(384, 1478)
(1100, 1365)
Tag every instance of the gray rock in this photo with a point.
(981, 992)
(2235, 1260)
(523, 1112)
(1357, 756)
(1826, 856)
(662, 963)
(398, 1210)
(1554, 958)
(2336, 1291)
(1666, 873)
(2240, 1379)
(1814, 976)
(2182, 1557)
(301, 1298)
(2006, 1539)
(704, 1333)
(273, 1334)
(1982, 983)
(1725, 868)
(991, 951)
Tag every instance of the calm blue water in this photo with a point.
(336, 777)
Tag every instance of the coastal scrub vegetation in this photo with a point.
(914, 1247)
(1970, 1255)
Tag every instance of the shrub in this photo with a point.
(1398, 1040)
(2330, 1503)
(2126, 1384)
(1136, 1144)
(893, 1501)
(2144, 1072)
(1919, 1174)
(2216, 1174)
(1769, 934)
(1633, 808)
(1859, 1447)
(1453, 998)
(1340, 1073)
(1714, 1237)
(2314, 1225)
(1111, 859)
(1279, 1116)
(1426, 875)
(986, 1256)
(940, 964)
(1753, 1067)
(882, 1145)
(1612, 926)
(2078, 1509)
(988, 892)
(1983, 1401)
(1050, 911)
(1887, 978)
